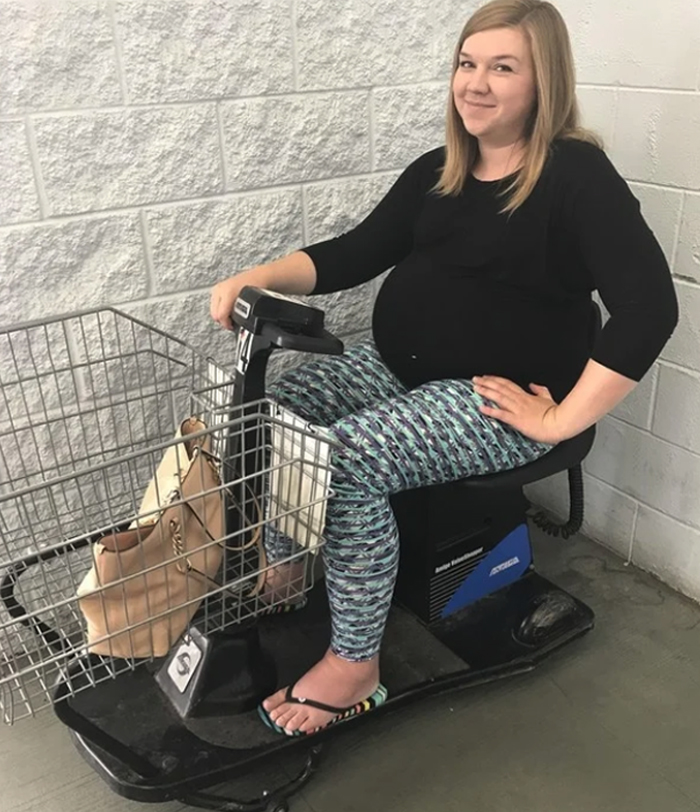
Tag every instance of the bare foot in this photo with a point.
(332, 681)
(284, 583)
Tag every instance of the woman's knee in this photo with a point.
(285, 383)
(359, 456)
(298, 390)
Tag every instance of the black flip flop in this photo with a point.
(341, 714)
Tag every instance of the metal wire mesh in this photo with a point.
(91, 405)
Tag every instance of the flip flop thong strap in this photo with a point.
(300, 700)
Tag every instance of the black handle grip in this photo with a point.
(325, 342)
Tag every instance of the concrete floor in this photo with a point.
(610, 724)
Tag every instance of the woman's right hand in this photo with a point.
(294, 275)
(223, 298)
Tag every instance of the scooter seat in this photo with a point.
(563, 456)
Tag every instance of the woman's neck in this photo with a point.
(498, 162)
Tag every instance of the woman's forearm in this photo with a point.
(294, 274)
(597, 391)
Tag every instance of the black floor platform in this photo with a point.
(474, 646)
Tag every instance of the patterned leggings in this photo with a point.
(390, 439)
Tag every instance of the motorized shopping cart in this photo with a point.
(90, 405)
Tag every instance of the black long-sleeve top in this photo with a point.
(477, 292)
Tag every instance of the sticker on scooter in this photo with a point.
(242, 308)
(245, 344)
(184, 664)
(459, 560)
(506, 565)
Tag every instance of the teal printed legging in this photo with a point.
(389, 439)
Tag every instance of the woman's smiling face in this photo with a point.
(494, 87)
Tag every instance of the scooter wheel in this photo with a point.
(277, 806)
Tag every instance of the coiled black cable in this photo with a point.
(573, 525)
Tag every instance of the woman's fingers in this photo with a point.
(213, 304)
(507, 394)
(503, 398)
(223, 297)
(494, 382)
(488, 383)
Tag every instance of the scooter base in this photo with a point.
(479, 644)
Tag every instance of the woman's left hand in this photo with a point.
(535, 416)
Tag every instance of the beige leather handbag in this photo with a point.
(147, 582)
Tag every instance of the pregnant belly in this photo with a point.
(456, 325)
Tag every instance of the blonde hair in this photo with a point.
(555, 114)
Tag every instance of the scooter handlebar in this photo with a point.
(325, 342)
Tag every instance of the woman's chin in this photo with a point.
(475, 129)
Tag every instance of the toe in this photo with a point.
(296, 721)
(278, 713)
(284, 719)
(307, 726)
(274, 701)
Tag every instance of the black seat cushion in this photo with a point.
(563, 456)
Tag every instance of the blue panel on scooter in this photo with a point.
(507, 562)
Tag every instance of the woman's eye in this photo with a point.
(465, 63)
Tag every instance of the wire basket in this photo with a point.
(91, 404)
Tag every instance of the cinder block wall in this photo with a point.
(150, 147)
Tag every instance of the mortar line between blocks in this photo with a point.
(675, 91)
(651, 185)
(304, 216)
(222, 150)
(677, 233)
(36, 169)
(616, 114)
(370, 115)
(174, 103)
(160, 298)
(662, 362)
(639, 503)
(295, 44)
(635, 519)
(655, 389)
(148, 255)
(219, 197)
(118, 54)
(66, 112)
(649, 433)
(688, 280)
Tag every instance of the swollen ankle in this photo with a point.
(361, 667)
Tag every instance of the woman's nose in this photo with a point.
(478, 81)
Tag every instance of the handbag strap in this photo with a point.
(256, 541)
